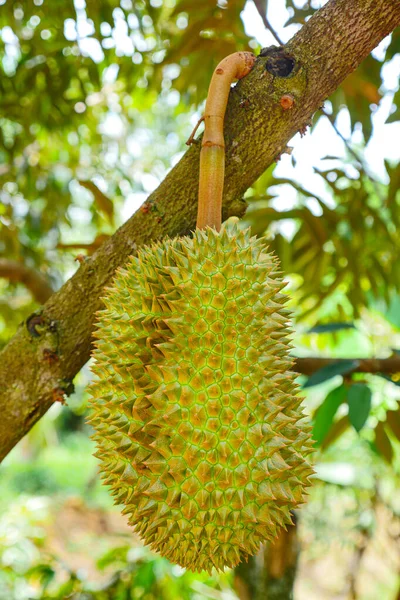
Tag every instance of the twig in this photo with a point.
(32, 279)
(266, 22)
(191, 139)
(353, 153)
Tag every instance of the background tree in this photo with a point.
(89, 91)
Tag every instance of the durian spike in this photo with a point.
(212, 155)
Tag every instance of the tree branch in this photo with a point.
(32, 279)
(39, 363)
(388, 366)
(267, 24)
(103, 202)
(355, 155)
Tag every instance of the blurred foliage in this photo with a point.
(64, 540)
(351, 242)
(124, 571)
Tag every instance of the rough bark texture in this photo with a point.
(270, 575)
(39, 363)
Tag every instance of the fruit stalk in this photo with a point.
(212, 155)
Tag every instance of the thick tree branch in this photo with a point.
(32, 279)
(46, 353)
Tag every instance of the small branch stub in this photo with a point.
(35, 324)
(279, 63)
(50, 356)
(59, 396)
(191, 139)
(287, 101)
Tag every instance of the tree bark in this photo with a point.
(310, 364)
(271, 573)
(40, 362)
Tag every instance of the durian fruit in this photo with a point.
(197, 420)
(198, 423)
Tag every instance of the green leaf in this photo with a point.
(359, 401)
(335, 368)
(394, 46)
(115, 555)
(103, 202)
(382, 443)
(395, 115)
(44, 573)
(358, 91)
(393, 311)
(337, 429)
(327, 327)
(326, 412)
(394, 182)
(393, 420)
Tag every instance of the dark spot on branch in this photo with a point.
(50, 356)
(59, 395)
(278, 63)
(35, 325)
(67, 386)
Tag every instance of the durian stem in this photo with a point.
(212, 155)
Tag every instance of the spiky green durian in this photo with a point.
(198, 424)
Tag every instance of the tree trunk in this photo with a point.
(39, 363)
(270, 575)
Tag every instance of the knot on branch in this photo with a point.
(279, 63)
(35, 325)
